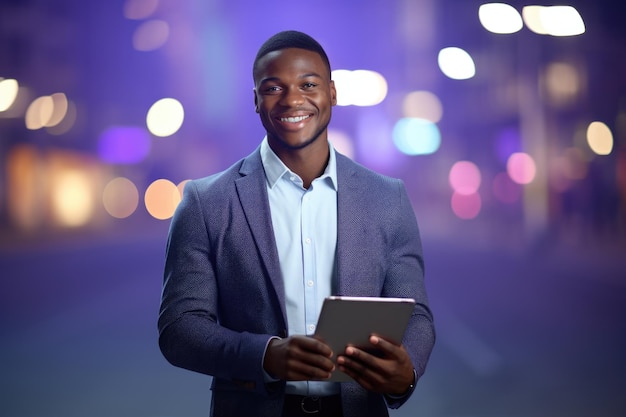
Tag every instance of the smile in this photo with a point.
(296, 119)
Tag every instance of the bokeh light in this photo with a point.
(161, 199)
(359, 87)
(120, 197)
(46, 111)
(500, 18)
(165, 117)
(140, 9)
(341, 142)
(59, 109)
(39, 112)
(67, 122)
(414, 136)
(466, 206)
(600, 138)
(181, 187)
(521, 168)
(464, 177)
(151, 35)
(563, 83)
(422, 105)
(124, 145)
(553, 20)
(23, 176)
(8, 93)
(72, 198)
(455, 63)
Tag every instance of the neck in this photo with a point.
(308, 162)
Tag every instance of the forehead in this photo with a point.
(291, 61)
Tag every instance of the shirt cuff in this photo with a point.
(267, 378)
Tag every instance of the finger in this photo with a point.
(313, 345)
(385, 346)
(305, 355)
(359, 372)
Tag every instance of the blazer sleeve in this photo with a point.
(190, 335)
(405, 277)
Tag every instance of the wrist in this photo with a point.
(409, 389)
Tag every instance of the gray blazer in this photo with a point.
(223, 294)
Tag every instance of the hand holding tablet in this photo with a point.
(348, 321)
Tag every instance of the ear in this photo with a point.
(256, 101)
(333, 93)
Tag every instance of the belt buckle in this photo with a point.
(311, 405)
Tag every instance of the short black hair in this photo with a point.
(290, 39)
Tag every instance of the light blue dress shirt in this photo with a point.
(305, 229)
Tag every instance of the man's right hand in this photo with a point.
(298, 358)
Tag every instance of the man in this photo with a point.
(254, 250)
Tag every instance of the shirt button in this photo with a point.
(311, 328)
(310, 283)
(307, 240)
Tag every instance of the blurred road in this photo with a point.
(521, 332)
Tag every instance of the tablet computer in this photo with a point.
(347, 321)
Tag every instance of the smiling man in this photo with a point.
(254, 250)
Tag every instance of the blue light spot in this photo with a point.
(413, 136)
(124, 145)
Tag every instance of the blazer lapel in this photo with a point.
(349, 241)
(252, 191)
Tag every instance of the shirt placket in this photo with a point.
(308, 262)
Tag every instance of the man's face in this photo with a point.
(293, 94)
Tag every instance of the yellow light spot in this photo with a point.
(39, 112)
(422, 105)
(165, 117)
(25, 178)
(562, 83)
(161, 199)
(456, 63)
(600, 138)
(500, 18)
(359, 87)
(120, 197)
(72, 203)
(553, 20)
(8, 93)
(59, 109)
(181, 187)
(67, 122)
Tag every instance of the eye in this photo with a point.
(272, 89)
(308, 86)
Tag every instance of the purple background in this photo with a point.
(530, 322)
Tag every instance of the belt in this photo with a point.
(303, 406)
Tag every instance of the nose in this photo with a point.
(292, 97)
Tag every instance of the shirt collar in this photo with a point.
(275, 168)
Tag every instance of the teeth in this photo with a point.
(293, 119)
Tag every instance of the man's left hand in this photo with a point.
(390, 371)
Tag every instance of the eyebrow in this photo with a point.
(307, 75)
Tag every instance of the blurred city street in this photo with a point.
(521, 332)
